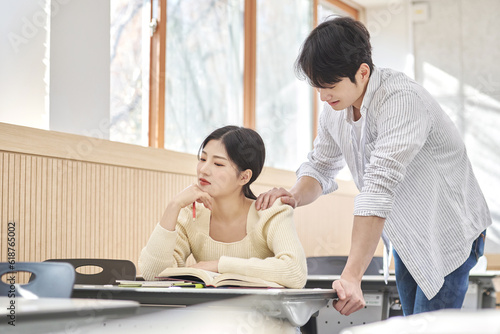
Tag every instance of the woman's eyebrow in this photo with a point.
(215, 156)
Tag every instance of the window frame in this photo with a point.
(158, 71)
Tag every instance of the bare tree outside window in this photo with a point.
(284, 103)
(204, 70)
(129, 65)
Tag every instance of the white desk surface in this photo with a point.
(190, 296)
(391, 280)
(442, 322)
(57, 306)
(48, 315)
(295, 305)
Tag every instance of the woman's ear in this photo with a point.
(245, 176)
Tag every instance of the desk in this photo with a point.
(378, 297)
(482, 292)
(480, 295)
(294, 305)
(59, 314)
(442, 322)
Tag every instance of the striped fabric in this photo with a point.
(411, 168)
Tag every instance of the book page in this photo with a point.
(227, 279)
(184, 273)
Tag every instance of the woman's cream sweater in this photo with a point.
(271, 250)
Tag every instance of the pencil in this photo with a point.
(194, 211)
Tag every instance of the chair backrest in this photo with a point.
(334, 265)
(112, 270)
(51, 280)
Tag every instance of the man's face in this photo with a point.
(342, 94)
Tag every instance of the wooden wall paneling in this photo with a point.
(37, 200)
(65, 210)
(107, 203)
(125, 225)
(52, 205)
(76, 210)
(90, 204)
(98, 208)
(46, 207)
(14, 163)
(59, 212)
(21, 195)
(73, 205)
(104, 205)
(84, 227)
(3, 216)
(27, 224)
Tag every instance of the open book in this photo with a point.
(210, 278)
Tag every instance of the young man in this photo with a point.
(417, 187)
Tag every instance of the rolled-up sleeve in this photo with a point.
(325, 160)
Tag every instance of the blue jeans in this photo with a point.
(452, 292)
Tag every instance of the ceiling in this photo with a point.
(373, 3)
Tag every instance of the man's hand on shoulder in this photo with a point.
(266, 200)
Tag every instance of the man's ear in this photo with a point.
(364, 72)
(245, 176)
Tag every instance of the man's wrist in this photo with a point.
(351, 276)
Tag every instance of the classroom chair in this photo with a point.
(112, 270)
(50, 280)
(333, 265)
(328, 320)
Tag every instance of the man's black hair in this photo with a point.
(334, 50)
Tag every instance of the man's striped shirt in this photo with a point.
(411, 168)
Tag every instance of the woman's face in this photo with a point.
(217, 174)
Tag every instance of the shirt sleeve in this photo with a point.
(325, 160)
(403, 125)
(288, 265)
(165, 249)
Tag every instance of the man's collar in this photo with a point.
(372, 87)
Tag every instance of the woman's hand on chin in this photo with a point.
(191, 194)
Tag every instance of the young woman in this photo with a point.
(228, 234)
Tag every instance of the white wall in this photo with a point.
(79, 68)
(58, 49)
(22, 87)
(454, 54)
(391, 37)
(456, 59)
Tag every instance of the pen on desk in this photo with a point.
(194, 211)
(188, 285)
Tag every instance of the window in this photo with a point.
(283, 103)
(129, 71)
(204, 70)
(209, 63)
(334, 7)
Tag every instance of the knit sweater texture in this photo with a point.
(271, 249)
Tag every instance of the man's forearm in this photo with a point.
(366, 232)
(306, 190)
